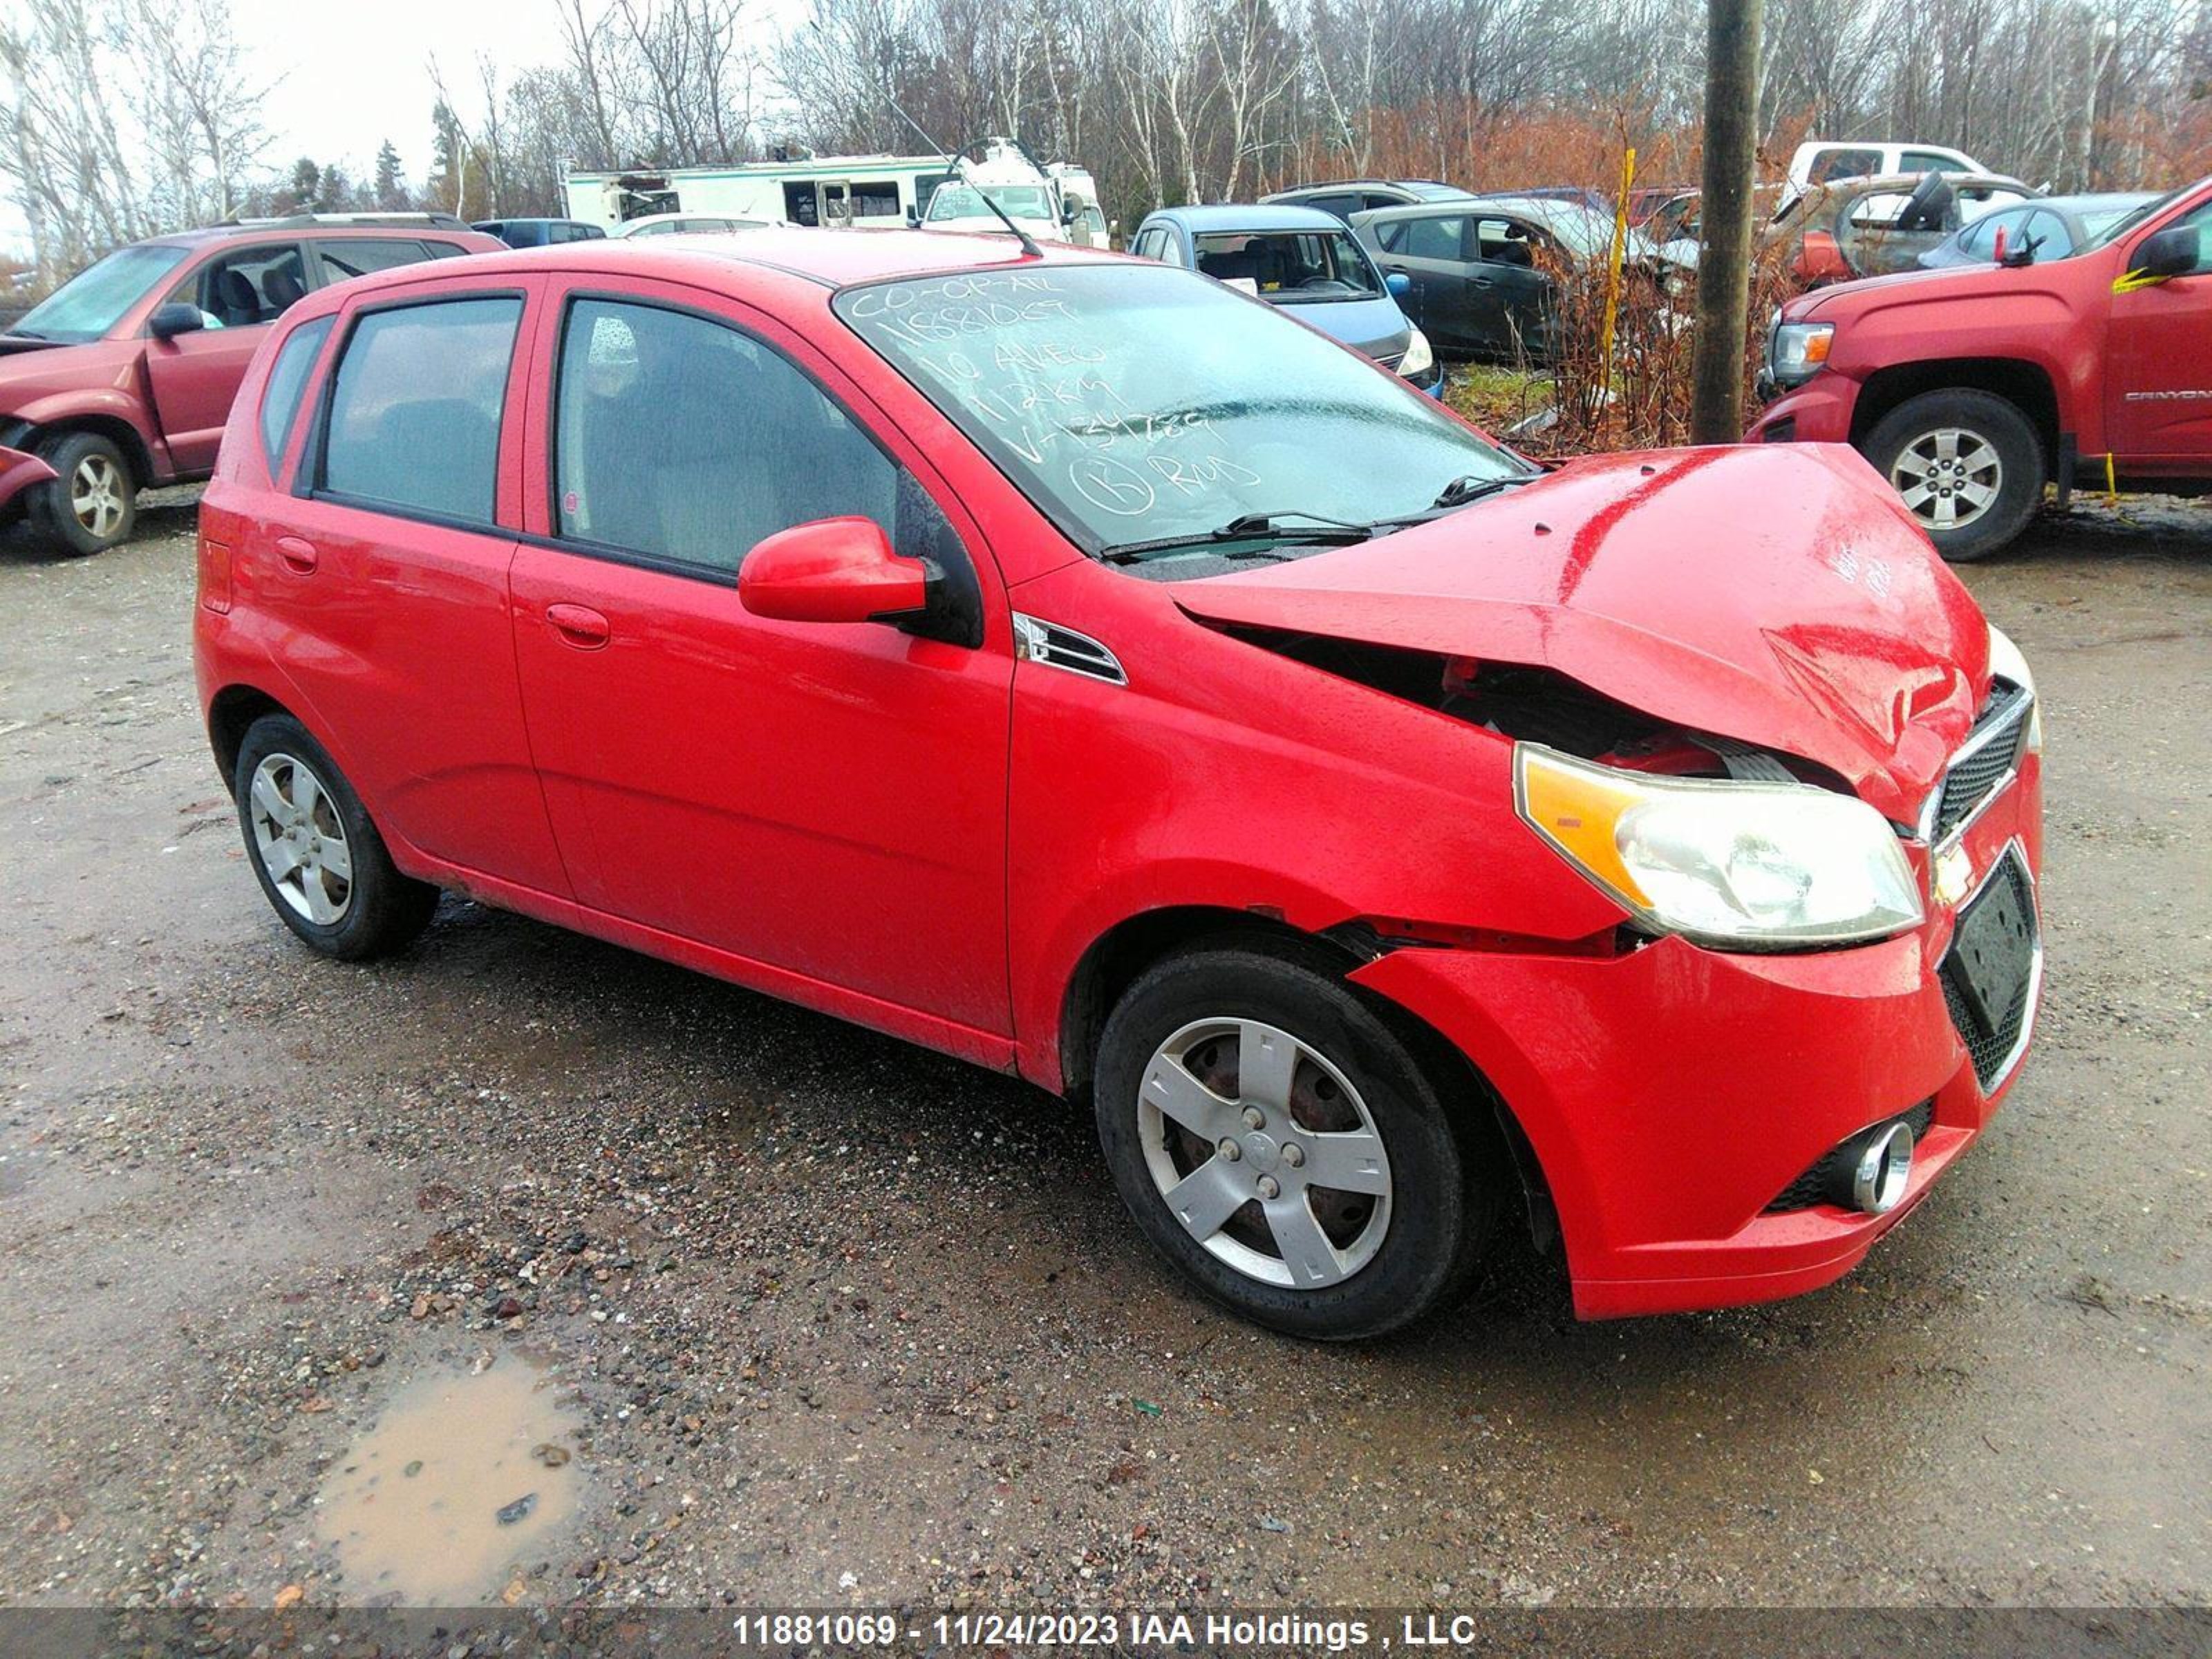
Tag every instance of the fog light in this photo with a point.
(1878, 1181)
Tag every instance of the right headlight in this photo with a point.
(1757, 867)
(1796, 351)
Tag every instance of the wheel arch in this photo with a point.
(44, 434)
(2027, 385)
(231, 713)
(1117, 959)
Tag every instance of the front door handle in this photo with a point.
(299, 556)
(578, 625)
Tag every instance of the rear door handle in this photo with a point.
(299, 556)
(578, 625)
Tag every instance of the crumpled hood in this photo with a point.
(1780, 596)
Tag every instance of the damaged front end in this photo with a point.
(19, 471)
(1722, 842)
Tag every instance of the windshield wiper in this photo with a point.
(1470, 487)
(1311, 527)
(26, 334)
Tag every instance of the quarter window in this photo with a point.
(287, 383)
(681, 438)
(414, 420)
(246, 288)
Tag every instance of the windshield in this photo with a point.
(2126, 223)
(1135, 403)
(1291, 267)
(93, 301)
(966, 201)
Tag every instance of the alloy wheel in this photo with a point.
(1265, 1153)
(1947, 478)
(300, 838)
(97, 494)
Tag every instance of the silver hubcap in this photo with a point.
(1948, 478)
(300, 838)
(1265, 1153)
(97, 495)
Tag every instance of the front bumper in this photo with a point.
(1672, 1093)
(1817, 412)
(19, 471)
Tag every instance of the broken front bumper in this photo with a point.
(19, 471)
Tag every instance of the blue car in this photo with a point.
(1305, 261)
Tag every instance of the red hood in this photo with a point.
(1778, 596)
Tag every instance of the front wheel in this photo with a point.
(92, 504)
(1275, 1140)
(1967, 464)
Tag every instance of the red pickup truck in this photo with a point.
(122, 379)
(1972, 388)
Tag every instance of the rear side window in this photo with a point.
(1843, 164)
(413, 413)
(247, 287)
(358, 256)
(287, 383)
(1929, 161)
(1432, 238)
(680, 438)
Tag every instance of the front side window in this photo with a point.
(1131, 402)
(287, 383)
(93, 301)
(680, 438)
(1930, 160)
(1504, 242)
(247, 287)
(1830, 164)
(414, 416)
(357, 255)
(1292, 267)
(1433, 238)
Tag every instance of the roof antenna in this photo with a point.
(952, 159)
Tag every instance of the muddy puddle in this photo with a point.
(454, 1490)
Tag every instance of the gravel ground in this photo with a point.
(836, 1320)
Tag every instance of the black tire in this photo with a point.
(1445, 1174)
(376, 909)
(51, 504)
(1987, 420)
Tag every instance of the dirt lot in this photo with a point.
(824, 1319)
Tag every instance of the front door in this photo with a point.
(2159, 385)
(1430, 251)
(828, 800)
(1508, 297)
(238, 293)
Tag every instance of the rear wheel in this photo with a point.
(1967, 467)
(1275, 1140)
(92, 504)
(321, 863)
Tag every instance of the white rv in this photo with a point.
(834, 191)
(1057, 203)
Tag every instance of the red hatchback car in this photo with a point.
(1077, 666)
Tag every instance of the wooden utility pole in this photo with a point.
(1724, 255)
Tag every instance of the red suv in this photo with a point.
(1972, 387)
(1087, 669)
(122, 379)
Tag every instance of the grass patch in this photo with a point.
(1494, 396)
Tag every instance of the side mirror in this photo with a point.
(913, 218)
(2171, 253)
(1399, 284)
(833, 570)
(174, 319)
(1069, 213)
(1924, 209)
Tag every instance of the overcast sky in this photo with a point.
(350, 74)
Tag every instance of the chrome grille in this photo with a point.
(1984, 761)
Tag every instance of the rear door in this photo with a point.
(1430, 250)
(387, 561)
(824, 801)
(2159, 393)
(239, 292)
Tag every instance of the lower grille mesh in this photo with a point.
(1990, 1046)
